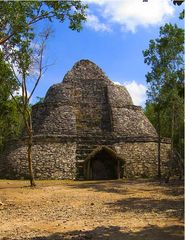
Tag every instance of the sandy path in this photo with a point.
(115, 210)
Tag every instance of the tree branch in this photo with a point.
(3, 40)
(41, 52)
(34, 20)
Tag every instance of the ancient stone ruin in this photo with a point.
(87, 128)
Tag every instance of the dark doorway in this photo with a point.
(103, 164)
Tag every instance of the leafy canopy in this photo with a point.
(165, 56)
(17, 35)
(166, 83)
(18, 18)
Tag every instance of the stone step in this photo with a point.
(79, 149)
(81, 157)
(80, 167)
(95, 142)
(91, 147)
(82, 151)
(88, 149)
(88, 146)
(80, 162)
(85, 146)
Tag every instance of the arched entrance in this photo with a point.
(102, 163)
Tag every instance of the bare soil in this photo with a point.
(78, 210)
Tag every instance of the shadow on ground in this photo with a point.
(171, 208)
(109, 186)
(122, 186)
(115, 233)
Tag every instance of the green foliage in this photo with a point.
(165, 122)
(11, 122)
(181, 16)
(18, 18)
(17, 36)
(8, 82)
(165, 56)
(166, 83)
(10, 119)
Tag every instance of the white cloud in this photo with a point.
(94, 23)
(137, 92)
(130, 14)
(117, 83)
(18, 92)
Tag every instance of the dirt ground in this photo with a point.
(78, 210)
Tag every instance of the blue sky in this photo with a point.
(113, 37)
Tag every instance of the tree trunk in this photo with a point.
(159, 144)
(172, 141)
(29, 151)
(172, 131)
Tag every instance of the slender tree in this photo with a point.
(26, 60)
(154, 92)
(17, 35)
(165, 56)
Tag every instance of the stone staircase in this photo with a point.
(85, 146)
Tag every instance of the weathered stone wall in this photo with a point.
(79, 104)
(141, 158)
(53, 119)
(118, 96)
(131, 121)
(92, 110)
(51, 160)
(83, 112)
(59, 93)
(85, 69)
(88, 102)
